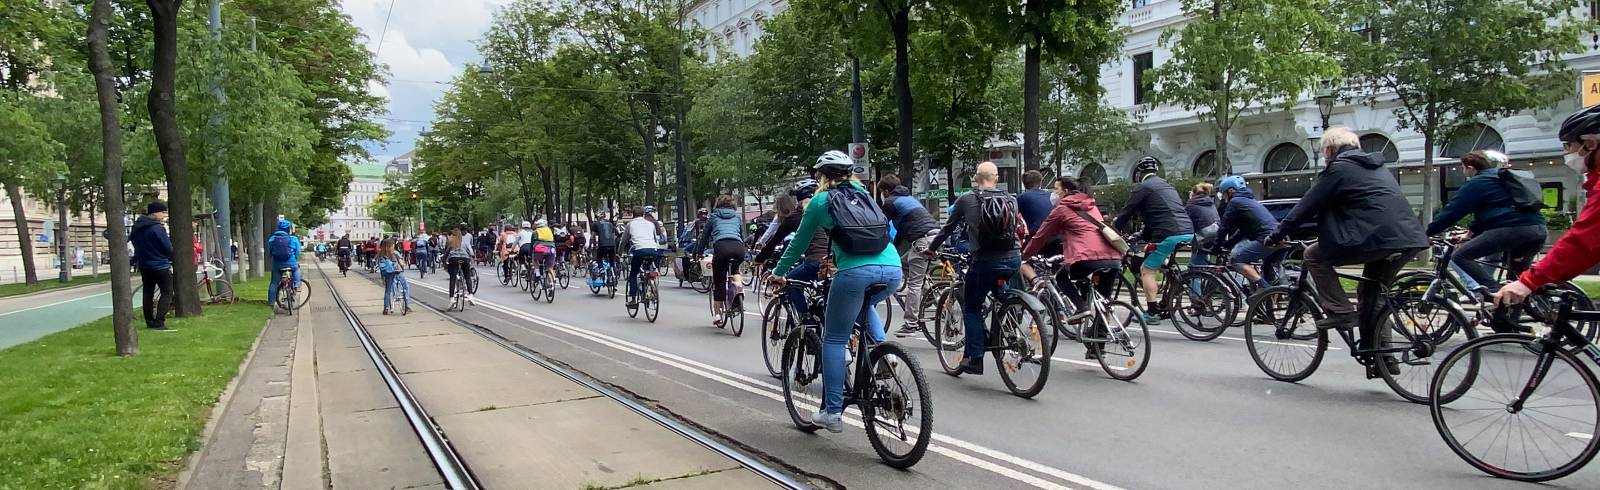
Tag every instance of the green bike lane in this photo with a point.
(26, 318)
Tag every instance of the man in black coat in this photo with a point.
(152, 252)
(1362, 218)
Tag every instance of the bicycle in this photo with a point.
(732, 316)
(889, 388)
(952, 267)
(1017, 334)
(648, 297)
(1119, 338)
(402, 293)
(217, 289)
(344, 265)
(563, 271)
(1283, 340)
(1443, 287)
(779, 318)
(540, 282)
(1552, 391)
(1215, 295)
(694, 274)
(602, 275)
(289, 299)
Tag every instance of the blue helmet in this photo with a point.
(1230, 182)
(284, 225)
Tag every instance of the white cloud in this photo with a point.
(377, 89)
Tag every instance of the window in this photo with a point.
(1141, 3)
(1469, 137)
(1381, 146)
(1286, 157)
(1205, 167)
(1093, 174)
(1142, 62)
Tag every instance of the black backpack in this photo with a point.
(1526, 195)
(859, 226)
(997, 225)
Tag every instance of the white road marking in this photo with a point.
(1310, 346)
(57, 303)
(767, 390)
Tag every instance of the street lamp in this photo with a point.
(1325, 98)
(61, 225)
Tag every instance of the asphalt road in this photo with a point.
(1202, 415)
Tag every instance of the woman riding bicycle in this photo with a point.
(458, 258)
(859, 268)
(544, 246)
(1076, 221)
(722, 235)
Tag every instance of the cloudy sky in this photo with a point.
(427, 41)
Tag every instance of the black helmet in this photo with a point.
(1146, 166)
(1582, 123)
(835, 164)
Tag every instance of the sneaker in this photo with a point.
(1337, 320)
(973, 366)
(1150, 319)
(834, 422)
(908, 330)
(471, 300)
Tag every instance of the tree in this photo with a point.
(169, 143)
(728, 122)
(799, 82)
(127, 337)
(1443, 64)
(29, 159)
(1080, 128)
(1234, 56)
(967, 88)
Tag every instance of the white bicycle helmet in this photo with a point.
(835, 163)
(540, 224)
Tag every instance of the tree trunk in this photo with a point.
(1429, 129)
(24, 235)
(522, 186)
(900, 23)
(1222, 161)
(94, 245)
(555, 204)
(1030, 104)
(127, 337)
(649, 134)
(572, 189)
(169, 142)
(269, 224)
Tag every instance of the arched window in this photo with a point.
(1092, 174)
(1206, 168)
(1286, 157)
(1469, 137)
(1380, 145)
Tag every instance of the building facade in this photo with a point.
(355, 218)
(1274, 149)
(733, 25)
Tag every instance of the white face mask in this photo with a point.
(1574, 161)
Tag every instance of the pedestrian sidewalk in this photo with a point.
(311, 411)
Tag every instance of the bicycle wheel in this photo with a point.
(594, 273)
(549, 288)
(1557, 422)
(1024, 365)
(564, 277)
(652, 305)
(611, 283)
(1281, 333)
(802, 377)
(1126, 350)
(898, 408)
(503, 275)
(1056, 313)
(949, 337)
(928, 311)
(1201, 305)
(735, 314)
(776, 322)
(303, 295)
(1425, 327)
(472, 280)
(525, 278)
(288, 299)
(222, 291)
(701, 284)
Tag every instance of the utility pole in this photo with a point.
(219, 183)
(61, 228)
(681, 172)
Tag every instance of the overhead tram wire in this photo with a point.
(385, 32)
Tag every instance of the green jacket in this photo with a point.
(816, 215)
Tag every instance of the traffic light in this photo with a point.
(413, 194)
(380, 197)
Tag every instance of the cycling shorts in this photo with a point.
(1158, 258)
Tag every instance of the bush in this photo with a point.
(1557, 220)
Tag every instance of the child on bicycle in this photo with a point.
(390, 264)
(458, 259)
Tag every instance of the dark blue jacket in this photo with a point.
(152, 249)
(1487, 199)
(1244, 218)
(1358, 208)
(1035, 205)
(911, 221)
(1202, 212)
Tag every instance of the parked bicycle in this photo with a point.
(214, 285)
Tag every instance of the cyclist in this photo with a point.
(506, 246)
(343, 249)
(605, 240)
(420, 248)
(1363, 218)
(389, 264)
(722, 235)
(284, 248)
(915, 228)
(544, 246)
(786, 219)
(1203, 215)
(1166, 226)
(1244, 229)
(643, 236)
(369, 252)
(1034, 203)
(524, 244)
(458, 258)
(563, 240)
(816, 249)
(1075, 225)
(1577, 250)
(992, 223)
(862, 259)
(406, 245)
(1497, 225)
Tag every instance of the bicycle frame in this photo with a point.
(1306, 288)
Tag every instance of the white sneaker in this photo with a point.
(834, 422)
(471, 300)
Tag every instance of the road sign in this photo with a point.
(858, 152)
(1590, 88)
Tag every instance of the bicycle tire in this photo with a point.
(525, 278)
(1057, 312)
(472, 280)
(1416, 369)
(776, 322)
(564, 277)
(735, 315)
(1130, 341)
(304, 298)
(1031, 326)
(701, 284)
(223, 291)
(652, 306)
(930, 301)
(549, 287)
(802, 377)
(949, 333)
(1196, 313)
(1261, 318)
(886, 380)
(1517, 344)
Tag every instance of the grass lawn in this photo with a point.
(48, 283)
(1590, 288)
(74, 415)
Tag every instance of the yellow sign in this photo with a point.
(1590, 88)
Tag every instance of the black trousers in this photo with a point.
(156, 315)
(1380, 266)
(726, 255)
(457, 267)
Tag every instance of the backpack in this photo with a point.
(1526, 195)
(280, 249)
(997, 225)
(859, 226)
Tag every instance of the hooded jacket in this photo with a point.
(724, 224)
(1244, 218)
(1202, 212)
(1157, 204)
(911, 221)
(1080, 238)
(1358, 207)
(294, 248)
(1485, 197)
(152, 248)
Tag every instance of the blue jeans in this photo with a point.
(805, 271)
(272, 286)
(982, 277)
(391, 282)
(640, 256)
(1250, 251)
(848, 304)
